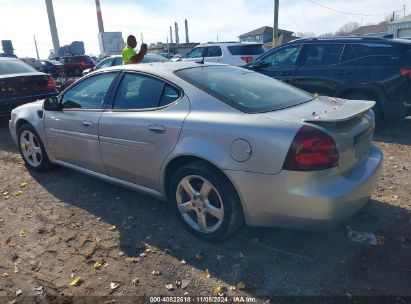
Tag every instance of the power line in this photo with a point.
(306, 19)
(291, 17)
(343, 12)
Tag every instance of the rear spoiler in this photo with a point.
(343, 112)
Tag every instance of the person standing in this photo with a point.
(129, 54)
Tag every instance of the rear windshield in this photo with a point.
(15, 67)
(252, 49)
(244, 90)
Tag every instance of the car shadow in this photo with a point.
(270, 261)
(394, 132)
(6, 142)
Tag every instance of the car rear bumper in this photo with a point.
(306, 200)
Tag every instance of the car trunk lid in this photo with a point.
(349, 122)
(13, 86)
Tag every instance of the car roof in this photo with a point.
(168, 67)
(345, 39)
(9, 59)
(228, 43)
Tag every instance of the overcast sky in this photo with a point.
(76, 19)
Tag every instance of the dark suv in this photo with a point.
(368, 68)
(75, 65)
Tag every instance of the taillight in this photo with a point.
(405, 72)
(247, 59)
(311, 150)
(51, 83)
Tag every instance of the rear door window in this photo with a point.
(214, 51)
(322, 54)
(137, 91)
(348, 54)
(252, 49)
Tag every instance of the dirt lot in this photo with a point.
(58, 225)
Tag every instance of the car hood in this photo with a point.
(322, 109)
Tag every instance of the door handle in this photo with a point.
(87, 123)
(157, 129)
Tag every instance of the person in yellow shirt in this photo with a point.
(129, 54)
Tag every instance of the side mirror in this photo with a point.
(258, 65)
(52, 104)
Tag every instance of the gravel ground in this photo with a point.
(61, 225)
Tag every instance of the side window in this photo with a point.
(322, 54)
(348, 54)
(104, 64)
(196, 53)
(138, 91)
(377, 54)
(118, 61)
(283, 57)
(214, 51)
(169, 95)
(89, 93)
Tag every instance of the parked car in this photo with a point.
(21, 83)
(8, 55)
(233, 53)
(176, 57)
(52, 67)
(220, 143)
(118, 60)
(350, 67)
(75, 65)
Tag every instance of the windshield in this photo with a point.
(244, 90)
(15, 67)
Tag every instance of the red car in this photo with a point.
(75, 65)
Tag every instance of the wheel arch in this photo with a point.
(180, 160)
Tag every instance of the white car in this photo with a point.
(233, 53)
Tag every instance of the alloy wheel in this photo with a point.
(30, 148)
(200, 204)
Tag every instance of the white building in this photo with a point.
(401, 28)
(111, 43)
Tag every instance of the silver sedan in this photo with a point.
(221, 144)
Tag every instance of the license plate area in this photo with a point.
(362, 143)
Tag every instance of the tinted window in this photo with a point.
(118, 61)
(245, 90)
(322, 54)
(375, 49)
(138, 92)
(348, 54)
(283, 57)
(89, 93)
(154, 58)
(104, 64)
(15, 67)
(252, 49)
(169, 95)
(196, 53)
(214, 51)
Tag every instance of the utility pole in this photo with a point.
(275, 27)
(37, 51)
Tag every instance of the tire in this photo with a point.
(364, 96)
(32, 149)
(219, 208)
